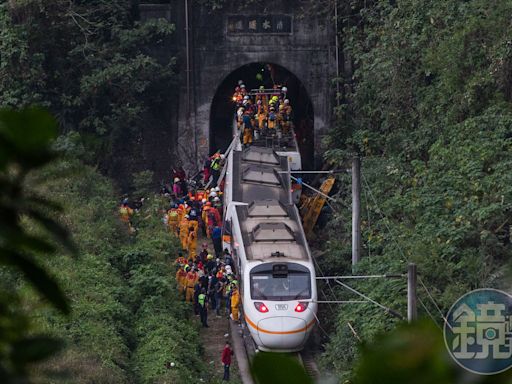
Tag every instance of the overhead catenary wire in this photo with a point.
(385, 220)
(429, 313)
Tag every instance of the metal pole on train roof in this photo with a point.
(356, 211)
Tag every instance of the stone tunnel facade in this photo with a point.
(224, 40)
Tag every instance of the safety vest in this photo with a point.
(201, 299)
(172, 215)
(215, 164)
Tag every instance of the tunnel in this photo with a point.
(255, 75)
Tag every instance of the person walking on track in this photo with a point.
(227, 352)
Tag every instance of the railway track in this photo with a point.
(304, 357)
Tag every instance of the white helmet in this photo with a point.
(286, 101)
(246, 97)
(203, 201)
(242, 85)
(176, 179)
(222, 156)
(217, 189)
(245, 102)
(216, 198)
(213, 194)
(284, 89)
(240, 82)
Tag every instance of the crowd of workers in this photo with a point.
(262, 112)
(206, 276)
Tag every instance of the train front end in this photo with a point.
(280, 305)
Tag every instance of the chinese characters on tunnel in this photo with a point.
(238, 24)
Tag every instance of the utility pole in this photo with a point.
(356, 211)
(412, 309)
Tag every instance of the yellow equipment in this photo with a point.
(310, 209)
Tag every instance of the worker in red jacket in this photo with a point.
(227, 352)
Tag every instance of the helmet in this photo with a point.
(216, 198)
(217, 189)
(284, 89)
(203, 201)
(281, 106)
(222, 156)
(176, 179)
(262, 87)
(187, 216)
(246, 97)
(125, 201)
(286, 101)
(245, 102)
(208, 204)
(213, 194)
(209, 257)
(240, 82)
(272, 109)
(242, 86)
(181, 206)
(259, 102)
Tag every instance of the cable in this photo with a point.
(383, 216)
(429, 313)
(387, 309)
(434, 302)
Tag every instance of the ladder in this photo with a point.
(310, 211)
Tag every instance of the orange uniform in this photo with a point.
(191, 280)
(181, 277)
(184, 224)
(235, 302)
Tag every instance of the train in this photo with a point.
(269, 247)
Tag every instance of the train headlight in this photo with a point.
(260, 306)
(301, 307)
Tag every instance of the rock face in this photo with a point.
(229, 42)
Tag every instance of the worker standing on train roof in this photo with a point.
(235, 301)
(192, 243)
(184, 225)
(247, 129)
(272, 120)
(287, 115)
(191, 280)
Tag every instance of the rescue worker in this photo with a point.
(191, 280)
(180, 260)
(125, 212)
(176, 187)
(287, 116)
(272, 120)
(235, 301)
(206, 208)
(181, 280)
(204, 253)
(217, 241)
(184, 225)
(173, 219)
(247, 129)
(192, 243)
(215, 168)
(203, 310)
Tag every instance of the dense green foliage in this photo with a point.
(126, 321)
(92, 65)
(428, 110)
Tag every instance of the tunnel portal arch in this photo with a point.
(255, 74)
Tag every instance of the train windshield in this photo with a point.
(280, 282)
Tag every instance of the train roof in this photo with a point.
(269, 222)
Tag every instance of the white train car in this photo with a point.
(273, 260)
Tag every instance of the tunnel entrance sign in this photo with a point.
(266, 24)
